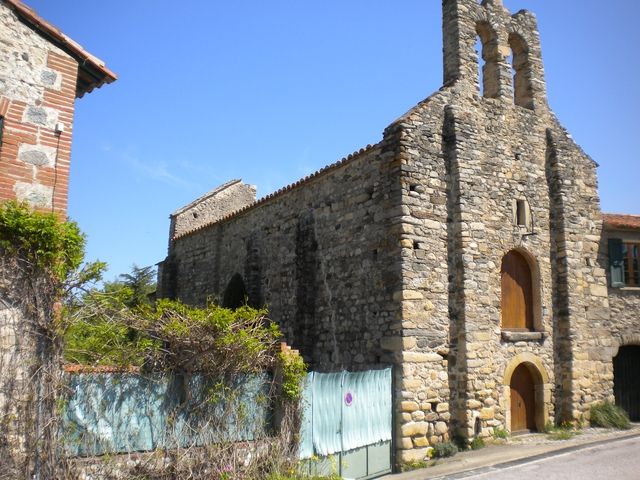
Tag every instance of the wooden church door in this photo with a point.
(522, 400)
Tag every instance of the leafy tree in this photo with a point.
(92, 336)
(141, 284)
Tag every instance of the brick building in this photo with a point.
(466, 249)
(42, 72)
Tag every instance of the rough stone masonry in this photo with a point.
(400, 253)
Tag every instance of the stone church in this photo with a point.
(467, 249)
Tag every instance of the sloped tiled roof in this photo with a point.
(283, 190)
(92, 72)
(621, 221)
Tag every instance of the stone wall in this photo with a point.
(395, 256)
(466, 157)
(322, 255)
(37, 93)
(215, 205)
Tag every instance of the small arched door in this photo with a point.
(523, 405)
(517, 292)
(626, 380)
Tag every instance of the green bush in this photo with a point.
(477, 443)
(444, 449)
(608, 415)
(42, 239)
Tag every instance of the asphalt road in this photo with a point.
(617, 460)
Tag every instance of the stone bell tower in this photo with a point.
(510, 47)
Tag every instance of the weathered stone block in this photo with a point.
(487, 413)
(441, 428)
(414, 428)
(409, 406)
(414, 455)
(417, 357)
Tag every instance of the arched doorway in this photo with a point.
(235, 295)
(626, 380)
(516, 292)
(527, 393)
(523, 400)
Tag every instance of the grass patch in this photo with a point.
(608, 415)
(562, 434)
(477, 443)
(564, 431)
(500, 433)
(417, 465)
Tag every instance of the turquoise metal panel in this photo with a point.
(366, 408)
(379, 458)
(117, 413)
(347, 424)
(354, 464)
(306, 427)
(327, 397)
(114, 413)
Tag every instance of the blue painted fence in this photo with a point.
(347, 424)
(118, 412)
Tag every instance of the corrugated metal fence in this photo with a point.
(347, 424)
(118, 413)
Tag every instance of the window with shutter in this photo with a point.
(624, 263)
(616, 262)
(631, 258)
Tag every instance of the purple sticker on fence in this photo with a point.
(348, 399)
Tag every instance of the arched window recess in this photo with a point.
(488, 56)
(522, 75)
(520, 297)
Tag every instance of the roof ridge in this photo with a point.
(621, 214)
(207, 195)
(283, 190)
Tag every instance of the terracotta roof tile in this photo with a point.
(75, 368)
(621, 221)
(92, 73)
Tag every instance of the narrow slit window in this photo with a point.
(521, 213)
(1, 130)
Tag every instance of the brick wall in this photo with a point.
(37, 92)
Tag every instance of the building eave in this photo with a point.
(92, 72)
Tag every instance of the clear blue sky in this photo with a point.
(270, 91)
